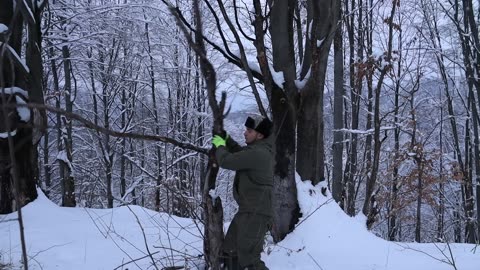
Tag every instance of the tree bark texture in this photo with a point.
(338, 115)
(296, 109)
(14, 74)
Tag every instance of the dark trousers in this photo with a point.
(244, 241)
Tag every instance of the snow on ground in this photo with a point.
(81, 239)
(328, 239)
(325, 239)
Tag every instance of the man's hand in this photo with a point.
(218, 141)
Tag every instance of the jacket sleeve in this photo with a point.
(245, 159)
(232, 145)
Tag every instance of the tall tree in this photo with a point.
(385, 64)
(296, 102)
(19, 83)
(65, 139)
(338, 116)
(351, 165)
(212, 206)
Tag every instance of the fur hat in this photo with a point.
(260, 124)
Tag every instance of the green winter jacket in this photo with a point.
(252, 187)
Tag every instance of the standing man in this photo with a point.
(252, 190)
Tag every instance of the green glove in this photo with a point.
(219, 141)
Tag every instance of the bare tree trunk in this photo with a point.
(368, 207)
(355, 93)
(47, 168)
(359, 83)
(393, 200)
(94, 89)
(18, 154)
(213, 226)
(473, 25)
(108, 164)
(441, 204)
(468, 24)
(367, 37)
(283, 104)
(457, 227)
(123, 184)
(392, 211)
(142, 163)
(68, 185)
(308, 123)
(307, 116)
(476, 145)
(418, 220)
(123, 123)
(108, 63)
(285, 204)
(158, 149)
(322, 17)
(339, 91)
(58, 124)
(470, 230)
(13, 74)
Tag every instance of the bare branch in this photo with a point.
(243, 58)
(144, 237)
(224, 51)
(91, 125)
(238, 23)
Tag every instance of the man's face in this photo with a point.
(252, 135)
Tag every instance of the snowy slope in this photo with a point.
(78, 239)
(329, 239)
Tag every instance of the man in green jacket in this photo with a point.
(252, 190)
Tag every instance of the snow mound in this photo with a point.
(326, 238)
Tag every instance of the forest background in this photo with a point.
(378, 100)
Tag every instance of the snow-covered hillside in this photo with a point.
(131, 237)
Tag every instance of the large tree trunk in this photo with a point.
(471, 73)
(284, 111)
(308, 124)
(322, 16)
(19, 171)
(291, 111)
(285, 204)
